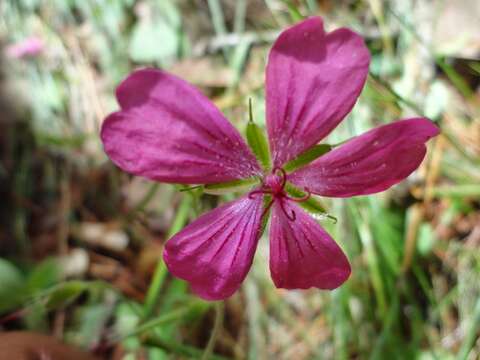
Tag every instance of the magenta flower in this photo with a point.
(168, 131)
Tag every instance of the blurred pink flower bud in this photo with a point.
(29, 47)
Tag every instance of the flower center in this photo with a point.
(274, 184)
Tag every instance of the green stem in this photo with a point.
(142, 204)
(471, 334)
(217, 326)
(161, 271)
(240, 13)
(164, 319)
(178, 348)
(463, 191)
(396, 95)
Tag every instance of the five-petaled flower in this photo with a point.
(168, 131)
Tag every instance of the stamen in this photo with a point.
(301, 199)
(265, 211)
(333, 218)
(252, 194)
(292, 216)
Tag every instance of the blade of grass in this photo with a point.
(178, 348)
(142, 204)
(366, 237)
(253, 313)
(471, 334)
(395, 94)
(457, 80)
(218, 21)
(312, 6)
(240, 13)
(161, 271)
(174, 315)
(466, 190)
(238, 59)
(389, 322)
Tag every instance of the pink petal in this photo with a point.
(302, 253)
(168, 131)
(313, 81)
(369, 163)
(215, 252)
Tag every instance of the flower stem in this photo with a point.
(217, 326)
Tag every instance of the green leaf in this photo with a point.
(307, 157)
(475, 66)
(258, 142)
(231, 186)
(426, 239)
(43, 276)
(11, 281)
(295, 13)
(88, 324)
(64, 294)
(183, 313)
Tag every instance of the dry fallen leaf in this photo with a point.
(21, 345)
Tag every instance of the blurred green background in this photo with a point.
(80, 240)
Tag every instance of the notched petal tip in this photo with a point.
(313, 80)
(210, 288)
(161, 138)
(112, 135)
(214, 253)
(308, 30)
(139, 81)
(424, 126)
(302, 253)
(371, 162)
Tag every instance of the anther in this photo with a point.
(265, 211)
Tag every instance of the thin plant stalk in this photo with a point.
(217, 326)
(160, 273)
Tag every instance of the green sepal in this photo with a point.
(307, 157)
(190, 188)
(259, 145)
(266, 202)
(312, 205)
(230, 186)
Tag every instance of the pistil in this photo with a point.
(274, 185)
